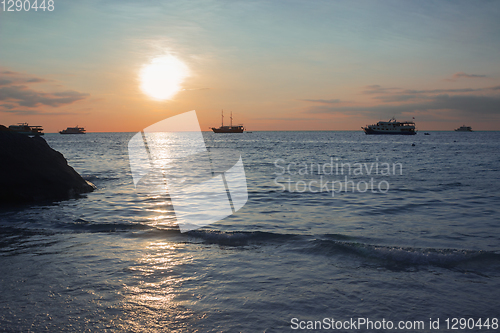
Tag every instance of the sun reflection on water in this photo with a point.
(155, 298)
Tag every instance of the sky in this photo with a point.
(276, 65)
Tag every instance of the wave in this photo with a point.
(357, 249)
(396, 256)
(242, 238)
(81, 225)
(392, 257)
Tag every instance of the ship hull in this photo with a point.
(233, 130)
(28, 133)
(371, 131)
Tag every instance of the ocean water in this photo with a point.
(421, 243)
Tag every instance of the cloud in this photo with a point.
(467, 102)
(36, 80)
(24, 96)
(411, 95)
(398, 98)
(19, 79)
(400, 91)
(404, 95)
(442, 91)
(17, 95)
(460, 75)
(469, 76)
(324, 101)
(377, 89)
(465, 105)
(7, 106)
(22, 112)
(37, 112)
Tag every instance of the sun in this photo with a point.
(161, 79)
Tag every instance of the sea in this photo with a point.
(341, 231)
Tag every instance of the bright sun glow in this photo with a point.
(162, 78)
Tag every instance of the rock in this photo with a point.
(31, 171)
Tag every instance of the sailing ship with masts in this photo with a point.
(230, 128)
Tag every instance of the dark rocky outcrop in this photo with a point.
(31, 171)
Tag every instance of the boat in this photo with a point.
(427, 133)
(73, 130)
(228, 129)
(391, 127)
(24, 128)
(464, 128)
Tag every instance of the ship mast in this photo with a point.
(222, 118)
(231, 118)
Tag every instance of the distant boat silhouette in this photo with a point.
(73, 130)
(24, 128)
(464, 128)
(391, 127)
(228, 129)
